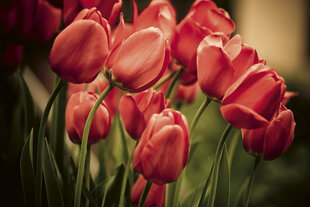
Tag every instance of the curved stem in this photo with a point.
(198, 114)
(87, 173)
(163, 80)
(217, 160)
(252, 175)
(38, 182)
(174, 80)
(144, 194)
(79, 180)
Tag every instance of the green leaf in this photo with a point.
(113, 187)
(27, 171)
(54, 195)
(28, 106)
(223, 187)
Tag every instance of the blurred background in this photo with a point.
(278, 29)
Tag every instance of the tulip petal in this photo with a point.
(243, 117)
(215, 71)
(132, 117)
(234, 46)
(140, 60)
(279, 135)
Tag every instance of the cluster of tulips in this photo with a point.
(144, 69)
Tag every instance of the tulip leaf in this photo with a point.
(113, 188)
(27, 170)
(27, 102)
(52, 183)
(223, 187)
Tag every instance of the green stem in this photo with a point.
(144, 194)
(217, 160)
(205, 188)
(87, 173)
(83, 152)
(232, 146)
(124, 182)
(174, 80)
(163, 80)
(252, 175)
(38, 182)
(123, 136)
(199, 113)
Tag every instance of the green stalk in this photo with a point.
(144, 194)
(87, 173)
(217, 160)
(174, 80)
(38, 182)
(83, 152)
(198, 114)
(251, 179)
(123, 136)
(163, 80)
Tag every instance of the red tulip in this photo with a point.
(137, 110)
(98, 86)
(163, 149)
(78, 108)
(202, 19)
(11, 55)
(155, 197)
(29, 20)
(219, 63)
(139, 61)
(253, 99)
(109, 9)
(272, 140)
(80, 50)
(160, 14)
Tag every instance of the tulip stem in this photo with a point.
(122, 195)
(144, 194)
(83, 152)
(41, 133)
(87, 173)
(174, 80)
(198, 114)
(251, 179)
(217, 160)
(163, 80)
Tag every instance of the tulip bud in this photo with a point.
(109, 9)
(272, 140)
(155, 196)
(203, 18)
(80, 50)
(252, 100)
(137, 110)
(219, 63)
(160, 14)
(163, 149)
(139, 61)
(98, 86)
(78, 108)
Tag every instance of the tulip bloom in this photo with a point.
(160, 14)
(138, 62)
(253, 99)
(155, 197)
(272, 140)
(80, 50)
(109, 9)
(137, 110)
(287, 96)
(78, 108)
(163, 149)
(98, 86)
(203, 18)
(219, 63)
